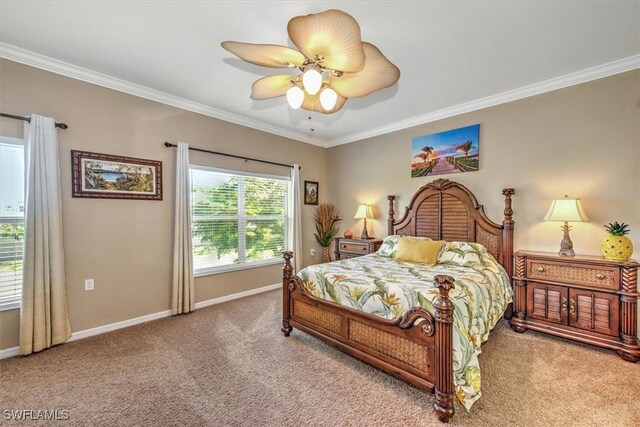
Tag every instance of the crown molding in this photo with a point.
(37, 60)
(582, 76)
(43, 62)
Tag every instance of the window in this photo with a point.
(239, 220)
(11, 221)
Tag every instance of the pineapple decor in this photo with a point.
(617, 246)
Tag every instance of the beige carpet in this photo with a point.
(230, 365)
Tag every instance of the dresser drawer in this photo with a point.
(589, 275)
(354, 247)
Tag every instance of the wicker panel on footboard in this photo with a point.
(412, 350)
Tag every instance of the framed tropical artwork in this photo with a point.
(310, 193)
(107, 176)
(452, 151)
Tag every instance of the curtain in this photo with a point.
(295, 226)
(44, 318)
(183, 300)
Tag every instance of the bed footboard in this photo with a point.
(417, 347)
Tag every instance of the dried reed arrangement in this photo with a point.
(325, 217)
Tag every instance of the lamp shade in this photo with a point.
(566, 210)
(364, 211)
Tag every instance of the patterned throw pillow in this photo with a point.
(463, 254)
(390, 245)
(418, 250)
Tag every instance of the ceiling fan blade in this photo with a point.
(377, 74)
(271, 87)
(334, 35)
(267, 55)
(312, 103)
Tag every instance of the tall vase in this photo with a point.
(326, 254)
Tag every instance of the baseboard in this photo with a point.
(15, 351)
(231, 297)
(9, 352)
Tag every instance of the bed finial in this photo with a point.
(391, 198)
(508, 211)
(287, 268)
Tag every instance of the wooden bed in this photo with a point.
(416, 347)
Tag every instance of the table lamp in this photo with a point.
(364, 212)
(566, 210)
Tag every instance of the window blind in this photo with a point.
(11, 221)
(237, 219)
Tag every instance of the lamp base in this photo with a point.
(365, 234)
(566, 245)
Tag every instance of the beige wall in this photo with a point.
(125, 245)
(583, 141)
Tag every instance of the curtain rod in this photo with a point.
(168, 145)
(28, 119)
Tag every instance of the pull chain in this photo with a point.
(312, 128)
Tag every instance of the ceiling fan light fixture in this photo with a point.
(312, 81)
(329, 43)
(295, 97)
(328, 98)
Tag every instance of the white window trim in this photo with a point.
(13, 303)
(211, 271)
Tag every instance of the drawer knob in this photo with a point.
(540, 269)
(363, 248)
(343, 246)
(600, 276)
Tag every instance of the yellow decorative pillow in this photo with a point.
(418, 250)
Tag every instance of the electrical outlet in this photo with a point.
(88, 285)
(313, 252)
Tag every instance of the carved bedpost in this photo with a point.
(628, 313)
(520, 294)
(507, 242)
(391, 220)
(444, 387)
(287, 272)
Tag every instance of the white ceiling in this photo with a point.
(449, 53)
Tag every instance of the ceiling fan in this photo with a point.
(335, 63)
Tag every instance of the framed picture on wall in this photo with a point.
(107, 176)
(452, 151)
(310, 193)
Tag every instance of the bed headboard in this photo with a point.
(447, 210)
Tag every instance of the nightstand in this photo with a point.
(351, 248)
(584, 298)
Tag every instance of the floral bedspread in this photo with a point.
(387, 288)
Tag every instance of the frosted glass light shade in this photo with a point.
(312, 81)
(364, 211)
(295, 97)
(566, 209)
(328, 98)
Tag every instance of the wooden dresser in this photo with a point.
(350, 248)
(584, 298)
